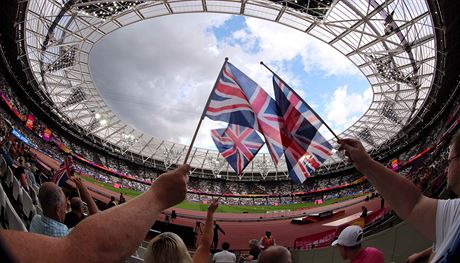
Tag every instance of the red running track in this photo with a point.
(239, 233)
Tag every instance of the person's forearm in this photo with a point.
(93, 240)
(403, 196)
(96, 238)
(400, 193)
(86, 197)
(109, 236)
(203, 251)
(206, 238)
(424, 254)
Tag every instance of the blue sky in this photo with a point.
(159, 82)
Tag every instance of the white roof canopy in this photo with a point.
(391, 42)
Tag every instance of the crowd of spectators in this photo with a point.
(236, 192)
(200, 190)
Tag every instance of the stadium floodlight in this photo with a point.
(77, 96)
(263, 166)
(104, 10)
(171, 156)
(365, 135)
(65, 59)
(387, 69)
(103, 122)
(128, 140)
(97, 121)
(388, 111)
(315, 8)
(217, 164)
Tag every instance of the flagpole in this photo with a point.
(204, 113)
(314, 112)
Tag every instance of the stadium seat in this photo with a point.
(39, 210)
(140, 252)
(145, 244)
(2, 203)
(3, 166)
(33, 192)
(9, 177)
(28, 207)
(35, 188)
(14, 221)
(17, 191)
(134, 259)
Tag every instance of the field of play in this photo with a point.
(196, 206)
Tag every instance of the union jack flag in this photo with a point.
(237, 144)
(237, 99)
(305, 148)
(228, 103)
(298, 103)
(65, 172)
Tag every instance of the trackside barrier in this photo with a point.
(397, 243)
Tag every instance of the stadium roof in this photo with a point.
(393, 43)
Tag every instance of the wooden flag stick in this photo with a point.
(314, 112)
(203, 114)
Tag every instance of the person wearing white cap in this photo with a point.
(349, 245)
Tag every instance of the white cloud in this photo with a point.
(346, 108)
(157, 75)
(282, 44)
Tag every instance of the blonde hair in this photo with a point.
(167, 247)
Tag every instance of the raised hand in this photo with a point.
(77, 180)
(170, 188)
(214, 205)
(354, 150)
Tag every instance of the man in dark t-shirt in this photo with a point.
(74, 217)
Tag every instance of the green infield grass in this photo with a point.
(190, 205)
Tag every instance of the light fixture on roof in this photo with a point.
(217, 164)
(366, 136)
(263, 165)
(171, 156)
(103, 122)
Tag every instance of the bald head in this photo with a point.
(275, 254)
(53, 201)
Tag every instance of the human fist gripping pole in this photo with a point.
(94, 236)
(170, 188)
(355, 151)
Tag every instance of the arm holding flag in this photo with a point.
(92, 240)
(85, 195)
(417, 209)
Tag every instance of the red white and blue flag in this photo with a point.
(305, 148)
(298, 103)
(64, 173)
(237, 99)
(237, 144)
